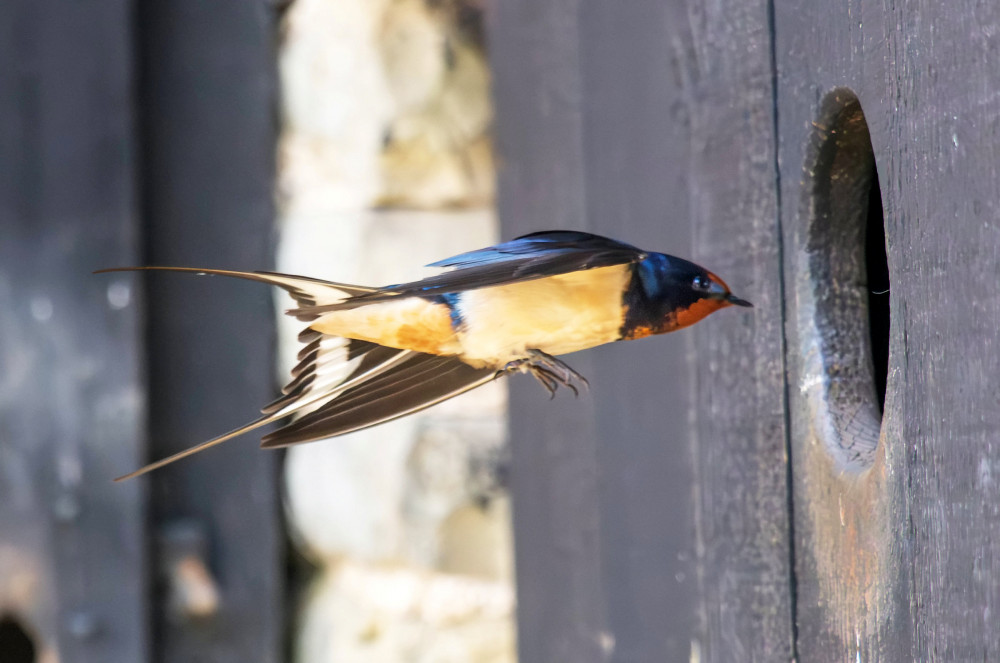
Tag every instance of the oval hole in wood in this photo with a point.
(16, 646)
(846, 326)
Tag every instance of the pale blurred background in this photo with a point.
(384, 165)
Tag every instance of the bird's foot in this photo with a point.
(548, 370)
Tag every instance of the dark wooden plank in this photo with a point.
(742, 468)
(208, 98)
(636, 154)
(603, 489)
(561, 612)
(899, 561)
(72, 572)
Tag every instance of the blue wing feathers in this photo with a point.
(533, 256)
(548, 242)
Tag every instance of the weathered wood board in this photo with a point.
(732, 132)
(651, 516)
(897, 556)
(72, 544)
(208, 100)
(743, 510)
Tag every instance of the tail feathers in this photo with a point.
(307, 292)
(303, 401)
(390, 384)
(257, 423)
(311, 395)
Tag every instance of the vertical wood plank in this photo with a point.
(208, 94)
(73, 559)
(634, 60)
(742, 465)
(943, 180)
(668, 161)
(561, 612)
(899, 562)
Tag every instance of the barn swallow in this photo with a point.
(371, 355)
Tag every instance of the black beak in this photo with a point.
(736, 301)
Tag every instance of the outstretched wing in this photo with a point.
(526, 258)
(345, 385)
(329, 367)
(414, 383)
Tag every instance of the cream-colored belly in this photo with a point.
(557, 315)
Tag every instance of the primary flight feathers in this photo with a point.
(371, 355)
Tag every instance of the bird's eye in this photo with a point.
(701, 283)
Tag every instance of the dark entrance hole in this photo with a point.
(877, 269)
(16, 645)
(846, 334)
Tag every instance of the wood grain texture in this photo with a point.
(72, 544)
(899, 562)
(562, 615)
(636, 152)
(208, 100)
(605, 488)
(894, 551)
(742, 466)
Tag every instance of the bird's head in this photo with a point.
(670, 293)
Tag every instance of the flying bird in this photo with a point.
(370, 355)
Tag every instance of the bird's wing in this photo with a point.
(328, 367)
(304, 290)
(548, 242)
(523, 259)
(414, 383)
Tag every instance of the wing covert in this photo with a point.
(527, 258)
(413, 384)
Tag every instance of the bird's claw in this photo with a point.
(548, 370)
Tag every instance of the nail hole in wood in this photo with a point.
(845, 328)
(16, 646)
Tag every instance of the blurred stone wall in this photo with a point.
(385, 165)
